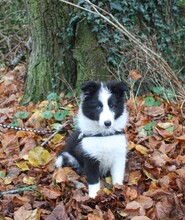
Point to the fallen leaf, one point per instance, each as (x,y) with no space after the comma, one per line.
(39,156)
(94,217)
(181,138)
(51,192)
(145,201)
(149,175)
(65,174)
(143,150)
(131,193)
(58,138)
(59,212)
(135,74)
(23,165)
(134,208)
(134,177)
(159,159)
(163,208)
(28,180)
(141,217)
(165,125)
(23,213)
(181,173)
(155,111)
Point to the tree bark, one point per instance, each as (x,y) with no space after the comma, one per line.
(91,63)
(51,65)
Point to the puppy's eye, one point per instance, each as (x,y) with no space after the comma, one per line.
(111,106)
(99,107)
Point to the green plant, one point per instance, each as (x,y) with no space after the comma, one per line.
(148,127)
(157,24)
(52,109)
(14,123)
(21,114)
(150,101)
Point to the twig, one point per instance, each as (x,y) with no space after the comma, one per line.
(18,190)
(181,108)
(56,132)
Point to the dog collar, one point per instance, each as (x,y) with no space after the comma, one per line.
(81,135)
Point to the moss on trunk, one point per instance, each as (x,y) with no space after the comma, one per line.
(90,58)
(51,65)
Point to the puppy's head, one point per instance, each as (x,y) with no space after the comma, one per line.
(103,103)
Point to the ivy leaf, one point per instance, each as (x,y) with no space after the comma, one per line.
(55,126)
(53,97)
(60,115)
(116,5)
(14,123)
(22,115)
(47,115)
(149,126)
(150,101)
(2,174)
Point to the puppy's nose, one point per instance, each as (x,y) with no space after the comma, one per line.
(107,123)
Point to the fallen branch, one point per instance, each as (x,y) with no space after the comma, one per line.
(18,190)
(56,132)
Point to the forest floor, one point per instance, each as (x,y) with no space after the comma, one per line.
(31,187)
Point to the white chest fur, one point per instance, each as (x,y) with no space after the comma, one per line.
(107,150)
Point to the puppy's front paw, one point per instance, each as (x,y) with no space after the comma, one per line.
(93,189)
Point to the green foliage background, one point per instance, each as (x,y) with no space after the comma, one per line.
(158,23)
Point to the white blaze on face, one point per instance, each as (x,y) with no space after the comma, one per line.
(106,114)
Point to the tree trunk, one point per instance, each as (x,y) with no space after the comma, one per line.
(91,63)
(51,65)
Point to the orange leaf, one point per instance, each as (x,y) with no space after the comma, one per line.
(134,177)
(135,75)
(50,192)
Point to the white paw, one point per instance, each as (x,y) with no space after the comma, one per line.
(59,162)
(93,189)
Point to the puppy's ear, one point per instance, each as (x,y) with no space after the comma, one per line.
(118,88)
(90,87)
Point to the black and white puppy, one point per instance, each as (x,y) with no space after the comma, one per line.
(99,145)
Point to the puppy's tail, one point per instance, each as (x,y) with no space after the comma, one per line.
(67,160)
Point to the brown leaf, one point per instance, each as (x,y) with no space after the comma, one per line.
(141,217)
(164,182)
(135,74)
(131,193)
(154,111)
(16,199)
(134,208)
(181,173)
(79,196)
(94,217)
(163,208)
(134,177)
(159,159)
(65,174)
(143,150)
(181,138)
(145,201)
(50,192)
(23,213)
(156,193)
(10,143)
(59,212)
(165,134)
